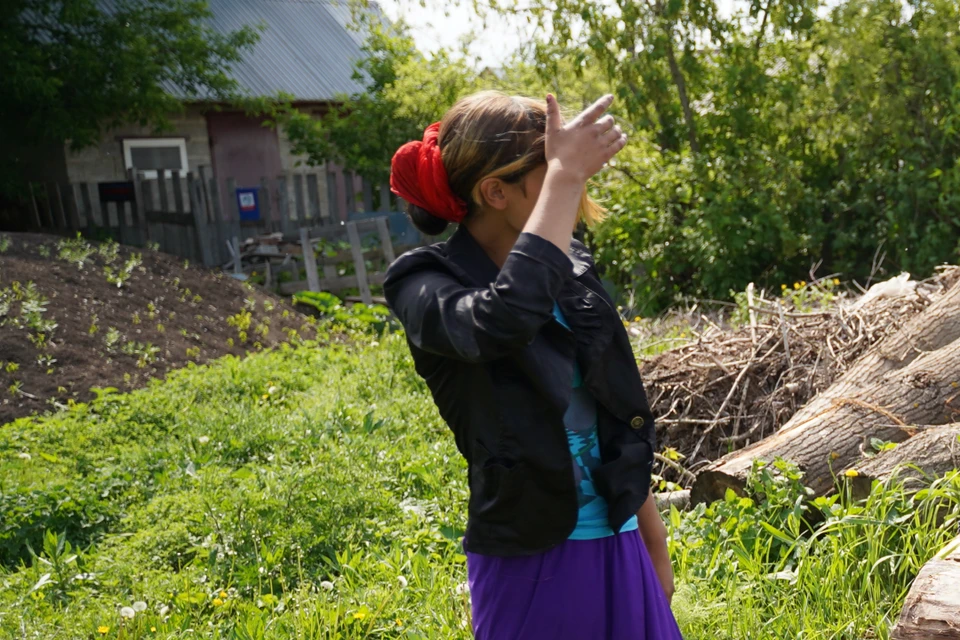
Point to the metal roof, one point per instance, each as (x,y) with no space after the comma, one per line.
(305,48)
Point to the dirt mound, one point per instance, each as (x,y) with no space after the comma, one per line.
(75,315)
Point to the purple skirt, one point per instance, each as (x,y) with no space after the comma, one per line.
(603,589)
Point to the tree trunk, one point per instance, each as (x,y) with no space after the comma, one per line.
(931,453)
(679,499)
(932,608)
(924,392)
(677,74)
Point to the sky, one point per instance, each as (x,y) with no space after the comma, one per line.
(439,25)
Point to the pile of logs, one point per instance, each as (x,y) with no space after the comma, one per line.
(906,385)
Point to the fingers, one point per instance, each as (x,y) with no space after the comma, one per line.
(593,112)
(604,124)
(610,136)
(554,119)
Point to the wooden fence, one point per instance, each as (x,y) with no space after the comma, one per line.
(332,217)
(195,217)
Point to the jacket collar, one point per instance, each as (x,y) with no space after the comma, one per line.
(467,253)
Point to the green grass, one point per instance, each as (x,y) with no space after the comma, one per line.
(314,492)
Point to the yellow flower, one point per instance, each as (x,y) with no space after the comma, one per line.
(803,283)
(103,630)
(796,285)
(265,396)
(217,602)
(851,473)
(223,594)
(783,287)
(153,629)
(399,622)
(836,281)
(359,615)
(637,319)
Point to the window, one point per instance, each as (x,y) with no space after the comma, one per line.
(152,154)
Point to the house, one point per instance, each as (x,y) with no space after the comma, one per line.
(305,49)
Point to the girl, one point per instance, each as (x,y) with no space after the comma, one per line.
(530,366)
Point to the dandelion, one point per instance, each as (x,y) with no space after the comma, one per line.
(803,283)
(462,588)
(272,390)
(851,473)
(265,396)
(103,630)
(139,606)
(153,629)
(796,285)
(399,622)
(23,455)
(217,602)
(637,319)
(783,287)
(326,585)
(127,612)
(223,594)
(402,581)
(359,615)
(203,439)
(164,610)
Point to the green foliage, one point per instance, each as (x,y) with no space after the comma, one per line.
(70,69)
(316,493)
(785,567)
(337,317)
(800,137)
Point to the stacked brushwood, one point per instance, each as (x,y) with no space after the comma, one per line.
(856,361)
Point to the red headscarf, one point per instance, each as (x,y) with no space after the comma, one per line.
(418,176)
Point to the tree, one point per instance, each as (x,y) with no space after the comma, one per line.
(68,69)
(404,92)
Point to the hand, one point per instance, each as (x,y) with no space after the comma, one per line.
(581,148)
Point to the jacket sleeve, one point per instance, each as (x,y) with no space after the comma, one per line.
(444,317)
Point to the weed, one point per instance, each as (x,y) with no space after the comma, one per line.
(76,251)
(4,243)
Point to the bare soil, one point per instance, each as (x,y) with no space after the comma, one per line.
(167,314)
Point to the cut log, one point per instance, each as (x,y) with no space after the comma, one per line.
(932,607)
(679,499)
(925,392)
(931,453)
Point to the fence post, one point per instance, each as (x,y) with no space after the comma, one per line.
(299,199)
(386,244)
(200,230)
(332,201)
(367,196)
(87,206)
(265,205)
(234,207)
(309,260)
(283,206)
(139,206)
(358,263)
(384,198)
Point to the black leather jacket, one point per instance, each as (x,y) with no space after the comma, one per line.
(500,369)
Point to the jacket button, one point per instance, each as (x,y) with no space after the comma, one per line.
(637,422)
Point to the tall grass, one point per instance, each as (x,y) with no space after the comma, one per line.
(315,493)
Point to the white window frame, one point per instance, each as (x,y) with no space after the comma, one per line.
(134,143)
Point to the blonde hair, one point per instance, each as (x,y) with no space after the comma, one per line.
(493,135)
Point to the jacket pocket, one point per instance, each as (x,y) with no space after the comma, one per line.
(628,472)
(495,488)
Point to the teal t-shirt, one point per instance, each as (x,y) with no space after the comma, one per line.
(580,422)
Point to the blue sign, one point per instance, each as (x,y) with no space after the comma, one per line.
(248,203)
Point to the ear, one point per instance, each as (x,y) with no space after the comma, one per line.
(492,192)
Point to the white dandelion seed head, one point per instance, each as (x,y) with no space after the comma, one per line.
(127,612)
(139,605)
(326,585)
(203,439)
(402,581)
(462,588)
(23,455)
